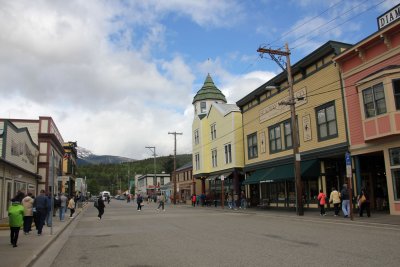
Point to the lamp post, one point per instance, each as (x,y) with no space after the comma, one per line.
(153,149)
(51,194)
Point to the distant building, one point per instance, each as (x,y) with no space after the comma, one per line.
(185,183)
(149,184)
(67,181)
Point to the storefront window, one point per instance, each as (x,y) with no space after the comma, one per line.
(19,186)
(395,166)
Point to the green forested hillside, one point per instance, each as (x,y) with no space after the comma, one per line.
(111,176)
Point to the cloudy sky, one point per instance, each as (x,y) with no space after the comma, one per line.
(117,76)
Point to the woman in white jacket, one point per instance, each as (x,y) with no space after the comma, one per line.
(71,206)
(27,202)
(335,199)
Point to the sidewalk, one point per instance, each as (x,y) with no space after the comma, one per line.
(31,246)
(380,218)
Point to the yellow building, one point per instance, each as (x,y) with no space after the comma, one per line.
(322,135)
(66,182)
(217,143)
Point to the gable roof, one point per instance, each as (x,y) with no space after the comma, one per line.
(225,109)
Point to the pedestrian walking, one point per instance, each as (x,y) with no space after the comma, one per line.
(243,201)
(63,206)
(322,201)
(27,203)
(16,218)
(344,194)
(194,200)
(235,200)
(230,201)
(335,199)
(100,207)
(49,215)
(139,201)
(71,207)
(161,202)
(57,204)
(40,211)
(363,203)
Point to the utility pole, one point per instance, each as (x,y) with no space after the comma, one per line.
(292,104)
(175,133)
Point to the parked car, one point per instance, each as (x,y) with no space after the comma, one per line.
(120,197)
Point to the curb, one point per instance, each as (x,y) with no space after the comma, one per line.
(31,260)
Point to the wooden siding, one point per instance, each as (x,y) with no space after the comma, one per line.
(322,87)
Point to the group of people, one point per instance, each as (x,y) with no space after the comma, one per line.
(233,200)
(343,198)
(25,209)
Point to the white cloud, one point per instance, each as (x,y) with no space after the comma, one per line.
(89,65)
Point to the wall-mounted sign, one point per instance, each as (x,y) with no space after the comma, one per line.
(307,128)
(262,142)
(278,108)
(389,17)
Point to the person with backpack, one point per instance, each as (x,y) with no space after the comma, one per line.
(99,205)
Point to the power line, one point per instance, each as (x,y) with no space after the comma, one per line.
(304,23)
(355,16)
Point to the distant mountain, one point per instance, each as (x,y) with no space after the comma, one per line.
(86,157)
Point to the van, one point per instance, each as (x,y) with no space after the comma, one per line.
(105,195)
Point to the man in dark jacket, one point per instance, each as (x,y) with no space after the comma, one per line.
(344,195)
(100,207)
(40,205)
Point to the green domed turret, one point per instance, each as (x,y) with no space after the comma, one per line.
(209,92)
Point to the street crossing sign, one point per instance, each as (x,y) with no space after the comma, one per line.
(348,165)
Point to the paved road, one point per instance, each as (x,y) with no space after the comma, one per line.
(185,236)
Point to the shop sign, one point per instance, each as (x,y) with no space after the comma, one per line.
(389,17)
(278,108)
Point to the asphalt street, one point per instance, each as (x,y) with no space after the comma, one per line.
(186,236)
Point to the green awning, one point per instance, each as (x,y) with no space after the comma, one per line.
(258,176)
(309,168)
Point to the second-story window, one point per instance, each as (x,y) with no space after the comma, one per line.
(252,146)
(196,137)
(275,139)
(396,93)
(287,126)
(214,157)
(326,121)
(213,131)
(197,161)
(228,153)
(374,100)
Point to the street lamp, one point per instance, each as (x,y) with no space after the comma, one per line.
(51,194)
(153,149)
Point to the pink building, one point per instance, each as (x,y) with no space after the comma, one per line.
(371,85)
